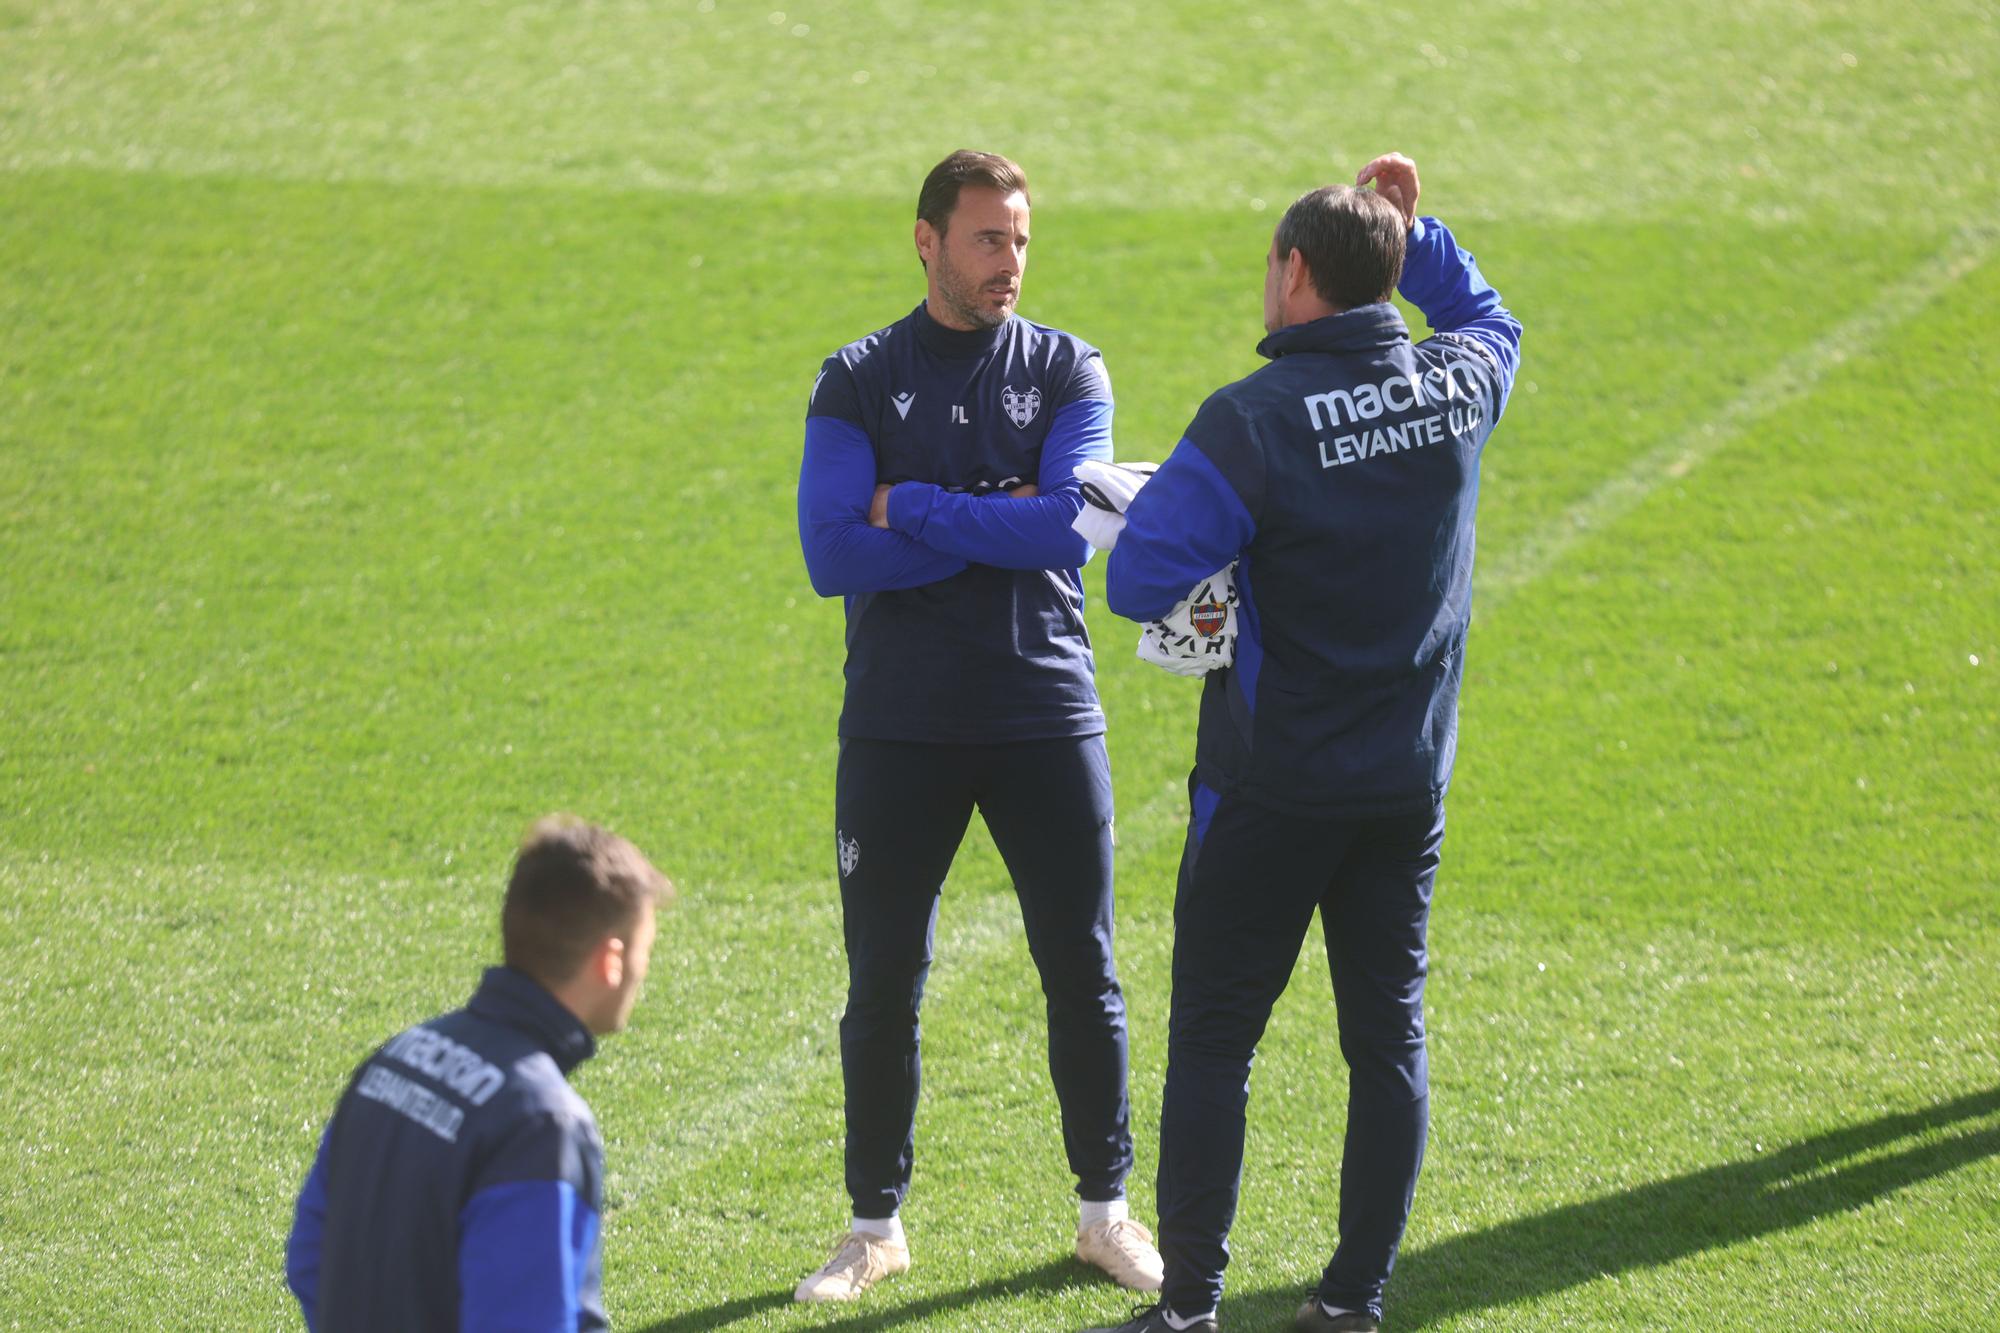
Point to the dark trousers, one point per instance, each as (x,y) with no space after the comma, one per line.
(1250,882)
(902,810)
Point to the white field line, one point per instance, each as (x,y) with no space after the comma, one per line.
(697,1129)
(1510,570)
(696,1133)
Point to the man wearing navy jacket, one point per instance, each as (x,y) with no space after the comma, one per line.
(1341,478)
(459,1184)
(935,497)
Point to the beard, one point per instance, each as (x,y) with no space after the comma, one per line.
(968,299)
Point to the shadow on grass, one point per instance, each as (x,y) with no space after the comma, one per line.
(1667,1220)
(1052,1276)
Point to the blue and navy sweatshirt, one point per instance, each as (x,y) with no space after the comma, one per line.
(1342,476)
(459,1182)
(965,616)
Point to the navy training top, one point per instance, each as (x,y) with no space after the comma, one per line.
(459,1184)
(1343,476)
(965,616)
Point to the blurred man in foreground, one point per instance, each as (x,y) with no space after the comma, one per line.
(459,1184)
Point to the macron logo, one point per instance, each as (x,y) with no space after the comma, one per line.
(1435,385)
(902,402)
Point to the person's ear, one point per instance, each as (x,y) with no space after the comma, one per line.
(1297,276)
(611,962)
(927,241)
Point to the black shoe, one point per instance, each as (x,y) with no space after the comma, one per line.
(1153,1319)
(1313,1318)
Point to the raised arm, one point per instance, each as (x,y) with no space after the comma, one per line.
(1443,280)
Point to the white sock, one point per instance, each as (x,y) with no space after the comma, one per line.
(887,1228)
(1185,1321)
(1090,1212)
(1335,1311)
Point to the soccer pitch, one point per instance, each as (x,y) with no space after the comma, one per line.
(400,409)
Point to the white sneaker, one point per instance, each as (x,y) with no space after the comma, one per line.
(1125,1250)
(858,1263)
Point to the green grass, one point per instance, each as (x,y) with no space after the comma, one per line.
(399,437)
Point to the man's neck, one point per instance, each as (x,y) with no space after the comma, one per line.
(1306,309)
(945,317)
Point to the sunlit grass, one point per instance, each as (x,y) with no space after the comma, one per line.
(349,524)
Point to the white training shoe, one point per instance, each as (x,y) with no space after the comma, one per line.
(1123,1249)
(858,1263)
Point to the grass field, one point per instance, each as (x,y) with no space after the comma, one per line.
(399,419)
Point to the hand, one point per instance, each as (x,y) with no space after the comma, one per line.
(1395,178)
(878,508)
(1022,492)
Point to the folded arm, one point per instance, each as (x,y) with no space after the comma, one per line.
(843,553)
(1028,532)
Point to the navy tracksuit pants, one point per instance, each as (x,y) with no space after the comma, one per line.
(902,809)
(1250,881)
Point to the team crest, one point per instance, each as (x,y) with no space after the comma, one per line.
(1208,618)
(850,852)
(1021,406)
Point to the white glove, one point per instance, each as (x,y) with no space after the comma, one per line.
(1107,489)
(1199,635)
(1100,527)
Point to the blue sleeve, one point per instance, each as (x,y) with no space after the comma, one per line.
(1444,282)
(843,554)
(1032,532)
(525,1250)
(308,1227)
(1185,523)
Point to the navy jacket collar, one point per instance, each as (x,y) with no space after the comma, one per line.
(1356,330)
(518,1001)
(956,344)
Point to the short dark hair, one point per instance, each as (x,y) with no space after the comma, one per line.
(573,885)
(1352,240)
(939,197)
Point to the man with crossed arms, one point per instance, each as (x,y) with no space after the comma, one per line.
(936,496)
